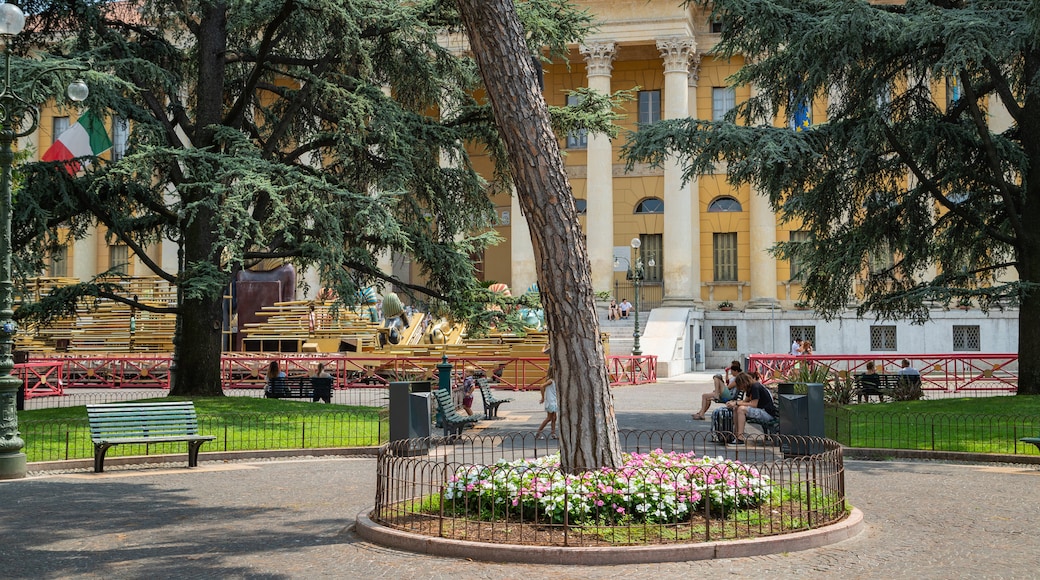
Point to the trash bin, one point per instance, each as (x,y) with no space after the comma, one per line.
(410,415)
(801,414)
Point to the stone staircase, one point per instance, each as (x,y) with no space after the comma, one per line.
(621,330)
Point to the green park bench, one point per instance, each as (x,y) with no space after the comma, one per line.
(451,419)
(1033,440)
(313,388)
(491,403)
(144,423)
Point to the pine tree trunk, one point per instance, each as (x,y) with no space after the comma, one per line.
(197,340)
(588,427)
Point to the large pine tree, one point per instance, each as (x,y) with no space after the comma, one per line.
(306,130)
(588,427)
(913,160)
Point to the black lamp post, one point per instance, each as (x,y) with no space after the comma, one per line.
(636,272)
(14,111)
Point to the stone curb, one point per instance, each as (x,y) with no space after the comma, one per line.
(182,458)
(880,453)
(612,555)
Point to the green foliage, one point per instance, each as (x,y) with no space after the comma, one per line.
(907,390)
(839,391)
(805,372)
(894,169)
(324,133)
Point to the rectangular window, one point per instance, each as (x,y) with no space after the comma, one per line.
(649,107)
(967,338)
(119,259)
(652,248)
(724,338)
(58,126)
(576,139)
(120,136)
(953,90)
(882,338)
(883,259)
(724,254)
(803,333)
(722,100)
(716,26)
(797,267)
(59,265)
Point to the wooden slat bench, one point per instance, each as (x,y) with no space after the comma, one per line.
(142,423)
(452,419)
(313,388)
(886,386)
(491,403)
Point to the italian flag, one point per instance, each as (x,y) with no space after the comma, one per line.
(87,138)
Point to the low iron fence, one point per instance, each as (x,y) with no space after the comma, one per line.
(64,439)
(885,429)
(674,487)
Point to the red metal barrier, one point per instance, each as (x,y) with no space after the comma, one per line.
(41,378)
(248,370)
(956,373)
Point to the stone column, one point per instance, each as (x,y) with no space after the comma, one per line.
(762,238)
(680,221)
(523,268)
(599,221)
(695,190)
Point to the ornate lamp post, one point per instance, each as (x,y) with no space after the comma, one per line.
(14,111)
(636,273)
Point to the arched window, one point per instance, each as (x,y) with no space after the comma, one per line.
(650,205)
(724,203)
(582,206)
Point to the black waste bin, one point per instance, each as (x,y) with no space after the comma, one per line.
(801,414)
(410,415)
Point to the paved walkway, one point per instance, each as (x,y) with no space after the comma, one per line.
(293,519)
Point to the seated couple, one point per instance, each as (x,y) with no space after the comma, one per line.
(724,390)
(751,401)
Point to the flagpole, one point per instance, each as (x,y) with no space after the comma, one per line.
(13,113)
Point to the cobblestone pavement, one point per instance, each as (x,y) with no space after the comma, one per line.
(293,519)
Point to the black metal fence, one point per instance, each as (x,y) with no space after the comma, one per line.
(64,439)
(674,487)
(933,431)
(651,294)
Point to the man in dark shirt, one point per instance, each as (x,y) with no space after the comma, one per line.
(757,404)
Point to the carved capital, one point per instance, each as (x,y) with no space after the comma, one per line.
(675,51)
(694,75)
(599,57)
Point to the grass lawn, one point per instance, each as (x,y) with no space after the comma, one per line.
(976,424)
(239,423)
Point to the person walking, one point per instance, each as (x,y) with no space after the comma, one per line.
(551,408)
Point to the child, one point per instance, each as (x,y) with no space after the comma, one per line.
(551,406)
(469,384)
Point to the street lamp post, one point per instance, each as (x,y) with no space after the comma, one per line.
(637,280)
(13,113)
(637,277)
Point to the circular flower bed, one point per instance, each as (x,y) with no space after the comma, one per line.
(655,487)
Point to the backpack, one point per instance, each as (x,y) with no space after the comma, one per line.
(722,425)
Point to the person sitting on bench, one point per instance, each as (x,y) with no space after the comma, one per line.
(273,372)
(757,404)
(723,392)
